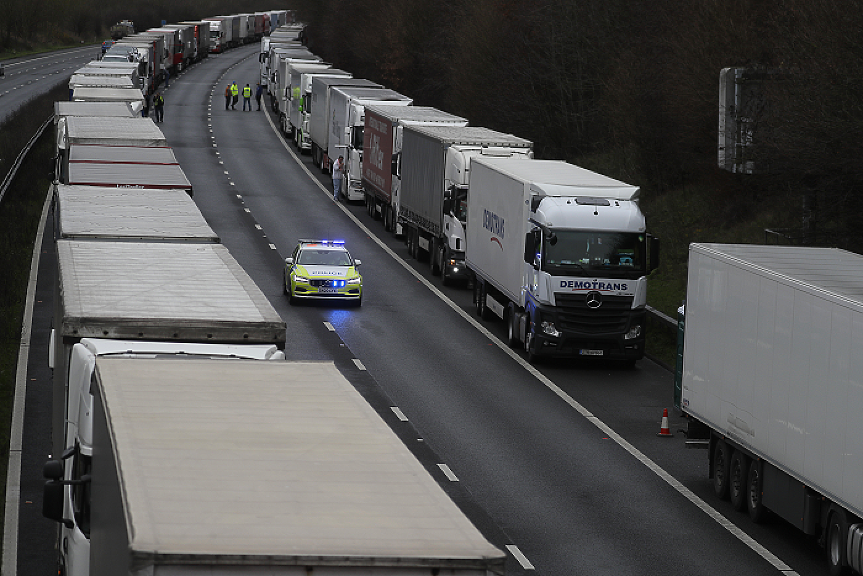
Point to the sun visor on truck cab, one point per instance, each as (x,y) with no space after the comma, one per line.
(586,190)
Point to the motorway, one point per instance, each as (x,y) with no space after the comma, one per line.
(29,76)
(558,464)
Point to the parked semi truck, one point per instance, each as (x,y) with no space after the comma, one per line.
(561,254)
(297,437)
(435,166)
(287,94)
(346,123)
(382,147)
(282,77)
(319,111)
(770,375)
(301,93)
(221,33)
(163,298)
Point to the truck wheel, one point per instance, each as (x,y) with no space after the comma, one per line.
(529,348)
(836,532)
(721,469)
(737,480)
(444,278)
(754,503)
(512,335)
(434,257)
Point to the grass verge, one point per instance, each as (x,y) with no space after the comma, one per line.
(20,211)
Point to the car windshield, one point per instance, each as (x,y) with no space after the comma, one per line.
(585,253)
(312,257)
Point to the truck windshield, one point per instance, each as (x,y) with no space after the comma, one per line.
(588,253)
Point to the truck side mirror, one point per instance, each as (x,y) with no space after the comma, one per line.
(529,248)
(395,165)
(654,252)
(52,492)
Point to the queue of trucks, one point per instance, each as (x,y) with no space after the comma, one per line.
(559,253)
(167,358)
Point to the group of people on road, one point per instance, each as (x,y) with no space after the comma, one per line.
(232,96)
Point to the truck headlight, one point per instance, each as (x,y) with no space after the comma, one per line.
(633,333)
(548,328)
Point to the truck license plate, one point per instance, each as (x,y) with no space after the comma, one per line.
(585,352)
(328,290)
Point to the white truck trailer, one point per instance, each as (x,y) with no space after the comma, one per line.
(346,124)
(286,60)
(135,214)
(161,299)
(771,385)
(296,490)
(561,254)
(435,167)
(291,95)
(301,94)
(381,157)
(100,154)
(319,110)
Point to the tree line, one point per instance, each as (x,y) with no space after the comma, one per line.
(634,86)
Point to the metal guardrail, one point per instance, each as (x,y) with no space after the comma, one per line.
(7,181)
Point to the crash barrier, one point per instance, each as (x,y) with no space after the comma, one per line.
(7,180)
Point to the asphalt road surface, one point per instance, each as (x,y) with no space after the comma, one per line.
(558,464)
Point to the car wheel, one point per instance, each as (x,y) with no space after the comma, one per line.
(737,480)
(754,504)
(721,469)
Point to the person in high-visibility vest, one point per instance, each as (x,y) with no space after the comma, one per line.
(247,97)
(235,94)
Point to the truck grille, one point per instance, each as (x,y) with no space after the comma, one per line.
(610,318)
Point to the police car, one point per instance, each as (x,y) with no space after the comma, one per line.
(323,270)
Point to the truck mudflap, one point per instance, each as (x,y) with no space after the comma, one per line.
(577,331)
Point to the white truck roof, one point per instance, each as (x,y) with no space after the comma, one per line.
(161,291)
(122,154)
(86,94)
(130,214)
(278,463)
(472,136)
(559,178)
(128,175)
(409,114)
(114,131)
(100,81)
(113,109)
(823,271)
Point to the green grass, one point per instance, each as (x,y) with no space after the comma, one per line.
(20,212)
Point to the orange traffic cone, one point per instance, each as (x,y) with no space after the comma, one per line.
(664,432)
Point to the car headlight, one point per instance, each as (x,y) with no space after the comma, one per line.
(301,280)
(633,333)
(548,328)
(357,280)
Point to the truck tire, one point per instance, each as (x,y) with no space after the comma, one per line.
(754,502)
(434,257)
(444,278)
(481,309)
(739,472)
(721,469)
(512,335)
(837,530)
(529,347)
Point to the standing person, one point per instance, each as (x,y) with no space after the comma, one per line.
(338,171)
(259,91)
(235,95)
(247,97)
(159,106)
(227,96)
